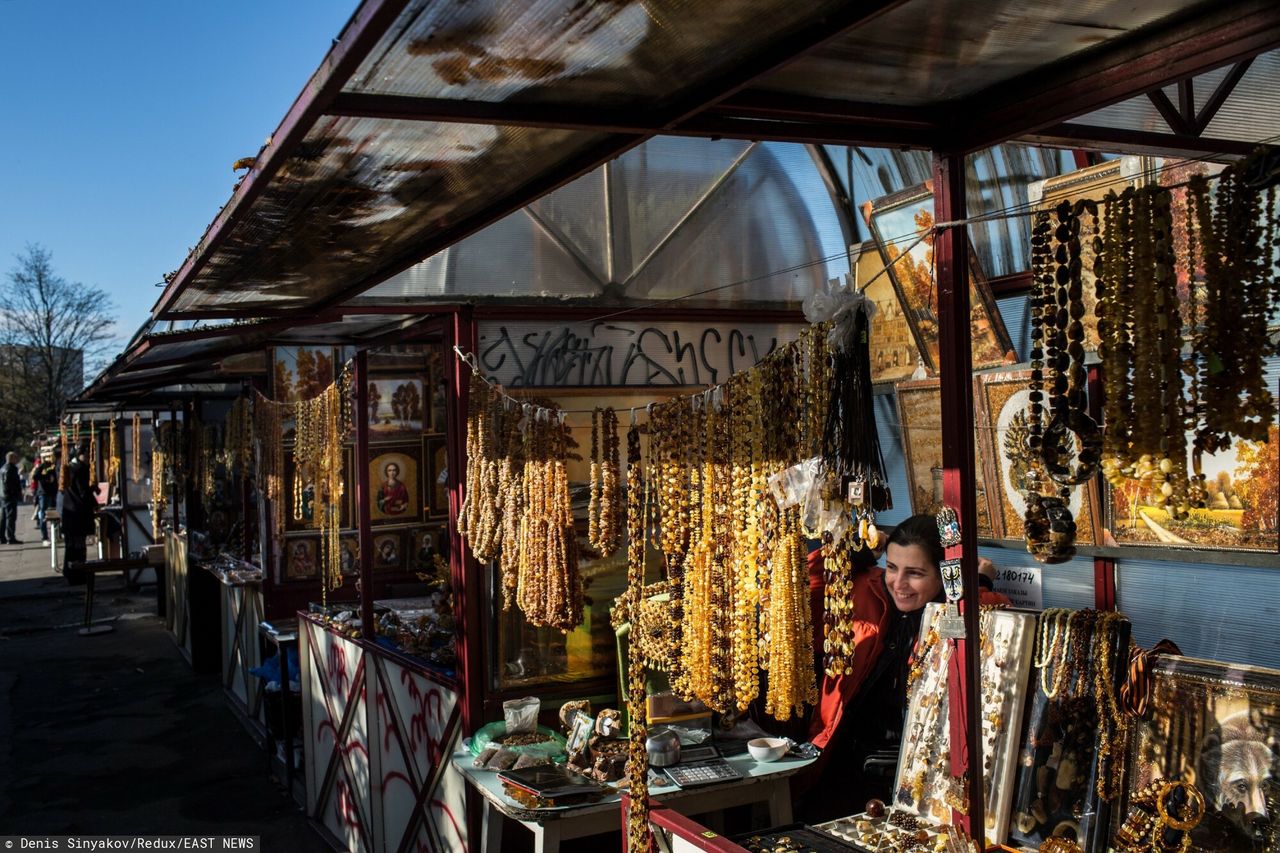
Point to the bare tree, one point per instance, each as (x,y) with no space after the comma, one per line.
(52,332)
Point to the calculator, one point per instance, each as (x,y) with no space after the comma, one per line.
(701,766)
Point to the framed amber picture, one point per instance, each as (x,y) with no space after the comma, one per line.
(393,484)
(1003,398)
(1240,512)
(1216,726)
(893,350)
(902,225)
(398,407)
(920,414)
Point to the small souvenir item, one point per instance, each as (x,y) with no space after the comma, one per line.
(948,527)
(951,624)
(951,581)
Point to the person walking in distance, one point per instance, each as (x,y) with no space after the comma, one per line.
(11,493)
(79,506)
(45,477)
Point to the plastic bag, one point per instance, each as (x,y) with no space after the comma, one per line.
(521,715)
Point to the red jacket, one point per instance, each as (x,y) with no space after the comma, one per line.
(871,611)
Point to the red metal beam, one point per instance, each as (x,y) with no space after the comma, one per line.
(468,575)
(364,523)
(1208,37)
(1118,141)
(959,465)
(856,125)
(1172,116)
(1010,285)
(757,104)
(370,21)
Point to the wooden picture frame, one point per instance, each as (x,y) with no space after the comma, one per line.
(395,496)
(901,224)
(920,416)
(1002,398)
(435,486)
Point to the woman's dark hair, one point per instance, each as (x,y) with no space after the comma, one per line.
(920,530)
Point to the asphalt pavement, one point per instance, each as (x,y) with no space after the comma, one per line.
(114,733)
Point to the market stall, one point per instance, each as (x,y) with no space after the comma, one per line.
(1080,520)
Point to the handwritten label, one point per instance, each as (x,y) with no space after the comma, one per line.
(532,354)
(1023,585)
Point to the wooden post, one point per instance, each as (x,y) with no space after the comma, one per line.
(959,476)
(364,523)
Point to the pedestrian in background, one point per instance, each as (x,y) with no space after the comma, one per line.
(11,495)
(79,506)
(45,477)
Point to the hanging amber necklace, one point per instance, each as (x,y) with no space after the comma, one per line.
(603,509)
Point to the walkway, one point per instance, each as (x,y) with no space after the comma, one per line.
(114,733)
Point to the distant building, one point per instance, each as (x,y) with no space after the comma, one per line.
(64,366)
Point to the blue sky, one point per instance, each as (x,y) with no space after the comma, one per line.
(119,122)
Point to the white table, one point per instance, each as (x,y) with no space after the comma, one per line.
(761,782)
(53,522)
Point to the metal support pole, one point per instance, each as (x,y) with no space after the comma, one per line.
(364,522)
(468,575)
(951,252)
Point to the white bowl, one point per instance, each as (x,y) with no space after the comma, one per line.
(768,748)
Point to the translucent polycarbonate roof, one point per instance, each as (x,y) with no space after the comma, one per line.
(669,218)
(925,51)
(1250,113)
(431,120)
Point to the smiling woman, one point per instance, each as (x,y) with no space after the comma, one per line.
(860,715)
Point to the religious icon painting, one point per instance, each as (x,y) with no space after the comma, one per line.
(393,484)
(438,388)
(301,560)
(397,407)
(300,493)
(388,554)
(430,551)
(349,555)
(1002,402)
(902,225)
(437,484)
(920,413)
